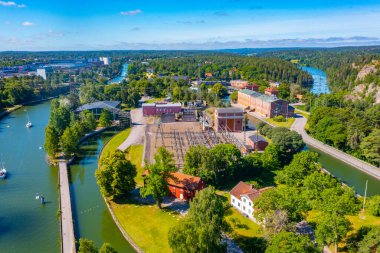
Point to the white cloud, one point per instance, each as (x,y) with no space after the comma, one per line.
(131,13)
(12,4)
(27,23)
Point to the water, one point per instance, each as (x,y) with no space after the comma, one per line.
(320,85)
(124,74)
(91,216)
(25,224)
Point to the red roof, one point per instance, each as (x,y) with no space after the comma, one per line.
(246,189)
(184,181)
(270,89)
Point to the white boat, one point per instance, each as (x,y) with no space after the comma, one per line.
(29,124)
(3,171)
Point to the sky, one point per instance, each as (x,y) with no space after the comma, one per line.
(42,25)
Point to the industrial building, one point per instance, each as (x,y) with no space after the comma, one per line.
(228,119)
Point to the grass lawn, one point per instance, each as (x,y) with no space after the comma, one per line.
(286,124)
(147,225)
(301,107)
(116,141)
(134,154)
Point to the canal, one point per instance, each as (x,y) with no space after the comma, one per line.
(91,216)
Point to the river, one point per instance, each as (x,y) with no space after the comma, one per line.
(320,85)
(123,75)
(25,224)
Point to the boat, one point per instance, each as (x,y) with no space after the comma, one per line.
(29,124)
(3,171)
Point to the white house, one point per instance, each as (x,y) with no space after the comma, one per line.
(242,197)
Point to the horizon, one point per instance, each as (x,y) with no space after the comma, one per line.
(38,25)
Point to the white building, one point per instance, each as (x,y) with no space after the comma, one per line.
(242,197)
(42,72)
(106,60)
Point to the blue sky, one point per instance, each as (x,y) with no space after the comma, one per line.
(186,24)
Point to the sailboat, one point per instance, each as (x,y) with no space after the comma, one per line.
(3,171)
(29,123)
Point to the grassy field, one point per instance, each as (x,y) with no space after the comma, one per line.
(301,107)
(134,154)
(147,225)
(116,141)
(286,124)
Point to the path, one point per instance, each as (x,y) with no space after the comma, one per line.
(67,226)
(138,129)
(299,126)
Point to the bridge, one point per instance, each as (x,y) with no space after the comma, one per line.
(67,226)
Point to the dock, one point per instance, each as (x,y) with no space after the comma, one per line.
(67,225)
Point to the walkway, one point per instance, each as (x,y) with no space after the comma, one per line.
(299,126)
(67,226)
(138,130)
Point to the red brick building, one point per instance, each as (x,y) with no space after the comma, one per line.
(158,109)
(267,105)
(230,119)
(257,142)
(184,186)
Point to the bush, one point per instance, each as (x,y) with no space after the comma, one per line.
(373,206)
(279,118)
(266,130)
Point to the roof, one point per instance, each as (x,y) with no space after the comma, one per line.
(256,138)
(99,104)
(184,181)
(244,189)
(271,89)
(229,110)
(259,95)
(148,104)
(169,105)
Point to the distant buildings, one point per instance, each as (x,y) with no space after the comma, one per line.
(242,197)
(271,91)
(158,109)
(42,72)
(267,105)
(106,60)
(208,74)
(230,119)
(239,84)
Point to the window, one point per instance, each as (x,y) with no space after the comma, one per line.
(244,200)
(244,208)
(233,200)
(239,204)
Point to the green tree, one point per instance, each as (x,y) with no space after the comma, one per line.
(302,165)
(373,205)
(116,175)
(87,246)
(201,230)
(234,96)
(271,157)
(332,228)
(194,159)
(69,141)
(371,147)
(107,248)
(51,141)
(88,120)
(105,119)
(156,182)
(289,242)
(371,241)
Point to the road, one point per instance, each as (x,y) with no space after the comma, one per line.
(67,226)
(299,126)
(138,130)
